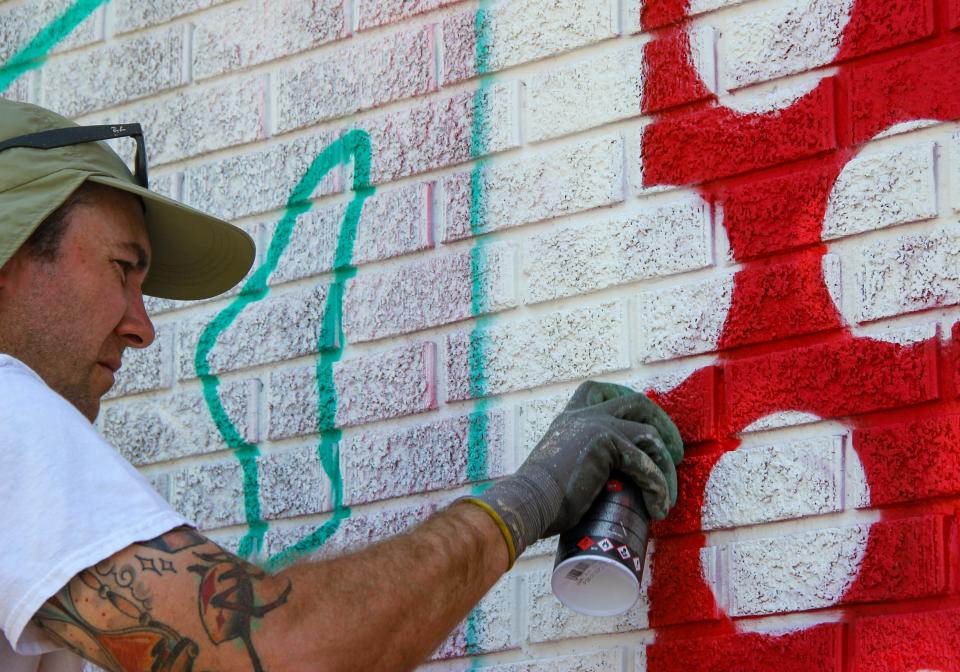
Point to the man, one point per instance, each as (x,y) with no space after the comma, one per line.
(94,563)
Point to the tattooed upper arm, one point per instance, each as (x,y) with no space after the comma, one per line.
(165,604)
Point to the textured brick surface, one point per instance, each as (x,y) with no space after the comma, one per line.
(372,13)
(899,474)
(571,179)
(262,30)
(878,190)
(360,77)
(435,456)
(651,243)
(255,181)
(517,32)
(598,661)
(760,484)
(934,641)
(443,132)
(378,387)
(429,293)
(908,273)
(682,320)
(197,120)
(566,345)
(590,93)
(279,327)
(491,626)
(138,66)
(292,483)
(147,369)
(782,39)
(393,222)
(19,23)
(210,495)
(549,620)
(819,647)
(179,425)
(129,15)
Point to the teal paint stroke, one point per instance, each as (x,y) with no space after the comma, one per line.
(477,440)
(34,53)
(353,145)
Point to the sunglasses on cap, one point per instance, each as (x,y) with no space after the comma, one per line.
(64,137)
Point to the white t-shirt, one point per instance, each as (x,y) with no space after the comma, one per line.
(67,501)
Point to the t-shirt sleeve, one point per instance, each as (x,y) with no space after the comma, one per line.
(67,499)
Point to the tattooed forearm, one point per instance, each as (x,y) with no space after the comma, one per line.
(119,613)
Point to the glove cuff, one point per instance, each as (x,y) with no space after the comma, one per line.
(504,530)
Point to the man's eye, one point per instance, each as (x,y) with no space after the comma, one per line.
(125,266)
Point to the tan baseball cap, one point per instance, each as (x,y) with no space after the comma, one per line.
(195,256)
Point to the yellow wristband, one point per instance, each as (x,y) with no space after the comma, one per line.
(504,530)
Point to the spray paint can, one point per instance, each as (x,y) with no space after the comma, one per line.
(599,563)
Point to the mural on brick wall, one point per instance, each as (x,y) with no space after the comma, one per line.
(780,228)
(790,346)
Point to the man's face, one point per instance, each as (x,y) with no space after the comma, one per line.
(71,319)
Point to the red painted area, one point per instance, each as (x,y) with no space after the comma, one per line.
(677,594)
(881,643)
(912,461)
(784,346)
(662,12)
(671,78)
(718,142)
(692,406)
(818,648)
(904,560)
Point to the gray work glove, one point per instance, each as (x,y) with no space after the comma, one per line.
(604,428)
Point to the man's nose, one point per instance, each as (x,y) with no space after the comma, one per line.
(136,328)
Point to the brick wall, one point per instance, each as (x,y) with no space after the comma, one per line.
(747,208)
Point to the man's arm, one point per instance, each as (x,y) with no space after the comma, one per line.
(179,602)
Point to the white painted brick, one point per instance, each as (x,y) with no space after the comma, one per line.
(595,661)
(277,328)
(428,293)
(146,369)
(20,90)
(393,222)
(682,320)
(954,170)
(493,624)
(372,13)
(587,94)
(909,273)
(353,533)
(511,33)
(198,120)
(571,179)
(359,77)
(379,465)
(779,39)
(811,570)
(130,15)
(566,345)
(256,181)
(652,243)
(760,484)
(879,190)
(548,620)
(209,495)
(179,425)
(258,31)
(443,132)
(293,483)
(780,419)
(116,73)
(378,387)
(20,23)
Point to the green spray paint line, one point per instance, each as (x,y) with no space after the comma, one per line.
(477,440)
(354,145)
(34,53)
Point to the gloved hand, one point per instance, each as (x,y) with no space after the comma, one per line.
(605,427)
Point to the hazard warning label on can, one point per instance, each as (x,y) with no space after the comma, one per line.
(624,552)
(585,543)
(605,545)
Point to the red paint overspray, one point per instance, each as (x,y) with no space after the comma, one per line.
(894,67)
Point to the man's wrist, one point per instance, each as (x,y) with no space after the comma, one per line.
(501,526)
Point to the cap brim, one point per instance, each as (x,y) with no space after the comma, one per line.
(195,256)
